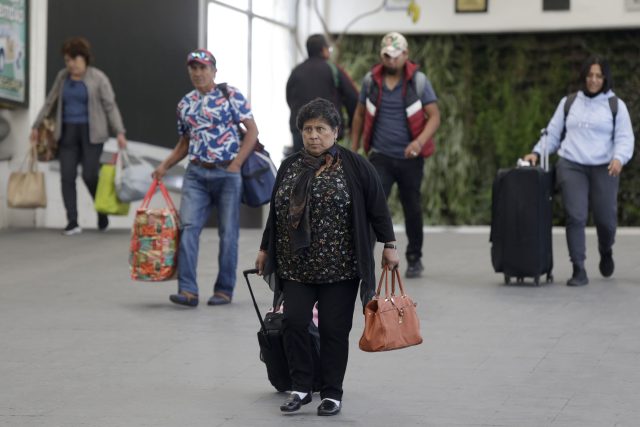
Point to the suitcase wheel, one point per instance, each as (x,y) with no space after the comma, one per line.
(507,279)
(549,278)
(520,280)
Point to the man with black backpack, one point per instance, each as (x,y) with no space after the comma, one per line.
(396,117)
(318,77)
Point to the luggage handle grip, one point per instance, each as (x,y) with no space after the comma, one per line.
(246,274)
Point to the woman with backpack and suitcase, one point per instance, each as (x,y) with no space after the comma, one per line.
(316,247)
(592,133)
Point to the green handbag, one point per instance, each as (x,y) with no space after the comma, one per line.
(106,201)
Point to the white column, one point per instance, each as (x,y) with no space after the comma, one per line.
(17,143)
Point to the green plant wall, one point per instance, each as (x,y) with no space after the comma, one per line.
(495,94)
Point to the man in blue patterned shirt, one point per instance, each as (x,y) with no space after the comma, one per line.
(208,122)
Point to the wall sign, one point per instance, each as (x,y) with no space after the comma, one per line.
(555,5)
(633,5)
(471,6)
(14,53)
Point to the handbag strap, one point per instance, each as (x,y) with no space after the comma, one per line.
(167,198)
(383,277)
(396,273)
(149,195)
(165,194)
(122,159)
(125,157)
(32,155)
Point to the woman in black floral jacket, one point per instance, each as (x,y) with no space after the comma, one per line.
(317,247)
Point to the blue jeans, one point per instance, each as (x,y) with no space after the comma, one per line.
(201,190)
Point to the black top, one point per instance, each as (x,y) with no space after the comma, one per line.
(314,78)
(369,212)
(330,257)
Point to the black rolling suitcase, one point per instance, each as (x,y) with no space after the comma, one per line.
(521,220)
(272,348)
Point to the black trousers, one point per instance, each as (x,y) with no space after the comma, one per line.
(75,148)
(407,173)
(335,316)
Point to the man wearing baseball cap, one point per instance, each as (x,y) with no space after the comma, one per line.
(208,119)
(396,118)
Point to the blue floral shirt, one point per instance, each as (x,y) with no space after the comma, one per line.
(209,121)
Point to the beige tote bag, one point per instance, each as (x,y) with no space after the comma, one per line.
(26,188)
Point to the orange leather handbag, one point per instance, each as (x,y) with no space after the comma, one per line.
(390,321)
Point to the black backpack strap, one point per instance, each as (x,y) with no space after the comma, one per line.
(567,106)
(371,88)
(613,104)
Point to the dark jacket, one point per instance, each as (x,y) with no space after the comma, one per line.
(314,78)
(370,213)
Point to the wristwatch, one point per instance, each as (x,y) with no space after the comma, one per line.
(390,246)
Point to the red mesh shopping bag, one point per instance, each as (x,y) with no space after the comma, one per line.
(155,235)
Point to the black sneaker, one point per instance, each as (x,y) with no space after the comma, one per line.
(606,264)
(414,269)
(579,277)
(71,229)
(103,222)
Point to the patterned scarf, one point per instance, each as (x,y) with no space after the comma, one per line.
(299,218)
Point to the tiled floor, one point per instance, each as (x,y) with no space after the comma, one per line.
(82,345)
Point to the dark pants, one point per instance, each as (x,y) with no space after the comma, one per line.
(335,315)
(583,187)
(74,149)
(407,173)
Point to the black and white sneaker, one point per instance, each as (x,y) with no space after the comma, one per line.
(71,229)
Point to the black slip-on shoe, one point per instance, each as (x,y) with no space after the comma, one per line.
(328,408)
(294,403)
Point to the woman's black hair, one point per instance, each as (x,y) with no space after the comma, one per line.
(318,108)
(77,46)
(606,72)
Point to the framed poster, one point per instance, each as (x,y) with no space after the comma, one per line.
(14,53)
(471,6)
(555,5)
(633,5)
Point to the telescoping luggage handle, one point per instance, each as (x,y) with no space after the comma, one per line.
(246,274)
(152,190)
(544,156)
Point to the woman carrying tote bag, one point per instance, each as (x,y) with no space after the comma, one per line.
(85,109)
